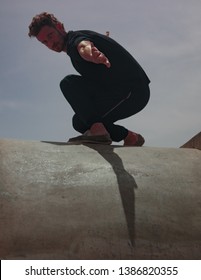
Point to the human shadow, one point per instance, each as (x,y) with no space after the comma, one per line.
(126,183)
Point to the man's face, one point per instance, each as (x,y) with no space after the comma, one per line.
(52,37)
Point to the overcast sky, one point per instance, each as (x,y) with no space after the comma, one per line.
(163,35)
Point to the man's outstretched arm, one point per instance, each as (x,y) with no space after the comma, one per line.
(89,52)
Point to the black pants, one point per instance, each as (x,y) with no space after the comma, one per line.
(94,103)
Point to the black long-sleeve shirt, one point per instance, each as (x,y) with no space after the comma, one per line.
(124,70)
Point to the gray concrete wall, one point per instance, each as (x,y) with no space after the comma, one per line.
(62,201)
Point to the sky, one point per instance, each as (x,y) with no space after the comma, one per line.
(164,36)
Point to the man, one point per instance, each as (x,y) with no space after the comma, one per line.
(111,85)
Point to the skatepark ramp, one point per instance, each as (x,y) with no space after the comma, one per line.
(60,201)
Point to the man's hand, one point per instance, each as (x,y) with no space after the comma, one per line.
(89,52)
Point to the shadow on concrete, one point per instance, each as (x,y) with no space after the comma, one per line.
(126,182)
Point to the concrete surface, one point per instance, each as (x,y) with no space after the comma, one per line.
(62,201)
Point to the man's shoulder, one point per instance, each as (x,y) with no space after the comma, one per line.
(73,36)
(86,34)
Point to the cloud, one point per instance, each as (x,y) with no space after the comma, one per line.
(11,105)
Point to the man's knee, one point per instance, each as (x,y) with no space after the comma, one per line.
(78,125)
(66,82)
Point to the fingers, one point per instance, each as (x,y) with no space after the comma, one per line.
(107,63)
(99,57)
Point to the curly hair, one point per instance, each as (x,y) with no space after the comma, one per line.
(39,21)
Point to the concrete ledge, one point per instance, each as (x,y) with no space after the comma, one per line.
(98,202)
